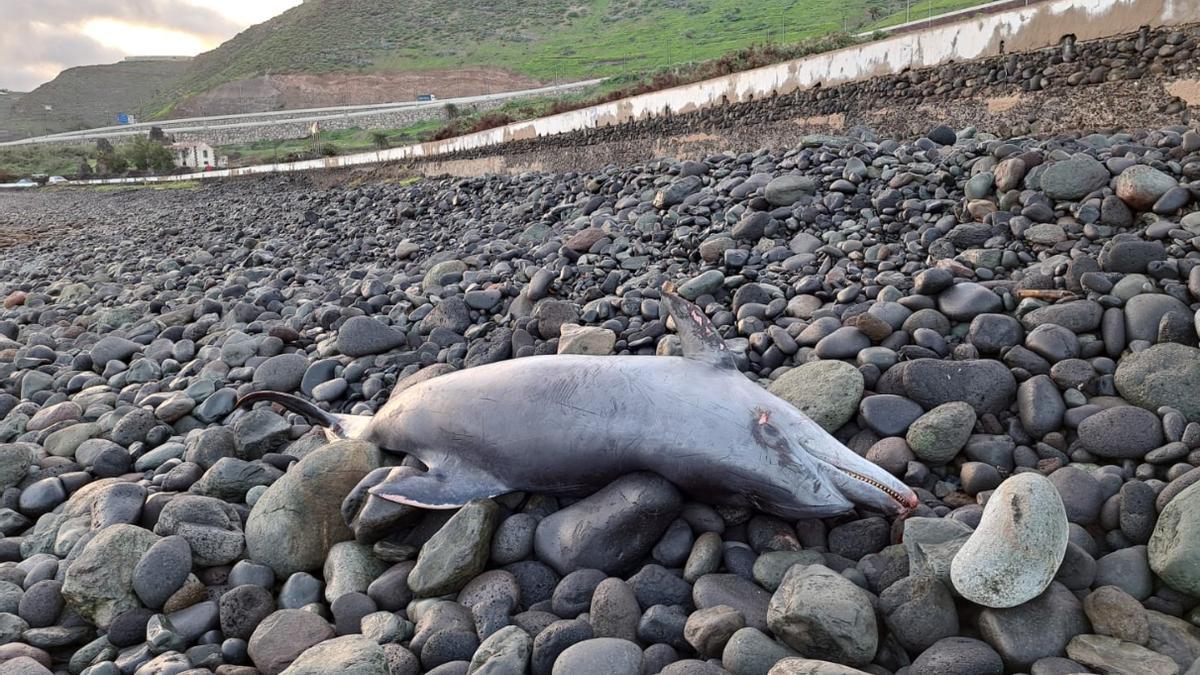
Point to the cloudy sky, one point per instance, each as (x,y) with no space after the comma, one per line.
(39,38)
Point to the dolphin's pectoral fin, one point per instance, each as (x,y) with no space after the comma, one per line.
(701,341)
(437,488)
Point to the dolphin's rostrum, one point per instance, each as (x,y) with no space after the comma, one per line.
(568,425)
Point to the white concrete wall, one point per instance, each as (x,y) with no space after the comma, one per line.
(1035,26)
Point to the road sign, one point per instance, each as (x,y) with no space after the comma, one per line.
(122,118)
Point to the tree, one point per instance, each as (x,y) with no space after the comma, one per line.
(876,9)
(380,140)
(147,155)
(107,159)
(157,135)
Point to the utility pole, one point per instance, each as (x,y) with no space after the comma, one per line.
(907,11)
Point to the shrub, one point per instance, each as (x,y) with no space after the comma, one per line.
(147,155)
(107,160)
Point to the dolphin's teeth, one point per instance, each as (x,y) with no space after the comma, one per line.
(875,484)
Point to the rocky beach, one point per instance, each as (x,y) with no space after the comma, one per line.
(1008,325)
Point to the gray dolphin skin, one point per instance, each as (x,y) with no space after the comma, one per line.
(568,425)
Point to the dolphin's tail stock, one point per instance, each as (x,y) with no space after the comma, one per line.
(336,426)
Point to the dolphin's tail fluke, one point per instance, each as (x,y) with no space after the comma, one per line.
(336,426)
(295,404)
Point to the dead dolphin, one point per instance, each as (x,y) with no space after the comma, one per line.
(568,425)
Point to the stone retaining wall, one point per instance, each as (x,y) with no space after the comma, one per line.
(1140,80)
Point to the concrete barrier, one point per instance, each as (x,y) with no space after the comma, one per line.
(1025,28)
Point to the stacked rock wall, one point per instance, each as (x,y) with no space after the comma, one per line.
(1139,80)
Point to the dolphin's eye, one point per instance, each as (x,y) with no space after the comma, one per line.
(767,434)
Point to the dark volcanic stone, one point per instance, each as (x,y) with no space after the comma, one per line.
(919,611)
(986,385)
(745,596)
(1121,432)
(555,639)
(613,529)
(889,415)
(1080,316)
(963,302)
(162,570)
(1130,255)
(942,135)
(243,608)
(958,656)
(991,333)
(41,604)
(1074,178)
(361,336)
(1039,628)
(129,628)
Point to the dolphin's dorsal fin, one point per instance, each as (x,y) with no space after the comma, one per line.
(701,341)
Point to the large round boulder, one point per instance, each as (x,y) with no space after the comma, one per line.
(295,522)
(1174,549)
(1165,374)
(1018,547)
(823,615)
(99,583)
(613,529)
(827,391)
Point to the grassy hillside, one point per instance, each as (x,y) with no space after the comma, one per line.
(546,39)
(8,99)
(91,96)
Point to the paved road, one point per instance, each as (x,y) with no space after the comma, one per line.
(308,115)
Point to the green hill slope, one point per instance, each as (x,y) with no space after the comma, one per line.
(546,39)
(8,100)
(90,96)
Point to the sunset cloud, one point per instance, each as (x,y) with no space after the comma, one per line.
(40,38)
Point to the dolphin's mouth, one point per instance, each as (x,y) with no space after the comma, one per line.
(906,501)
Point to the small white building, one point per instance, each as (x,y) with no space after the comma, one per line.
(195,155)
